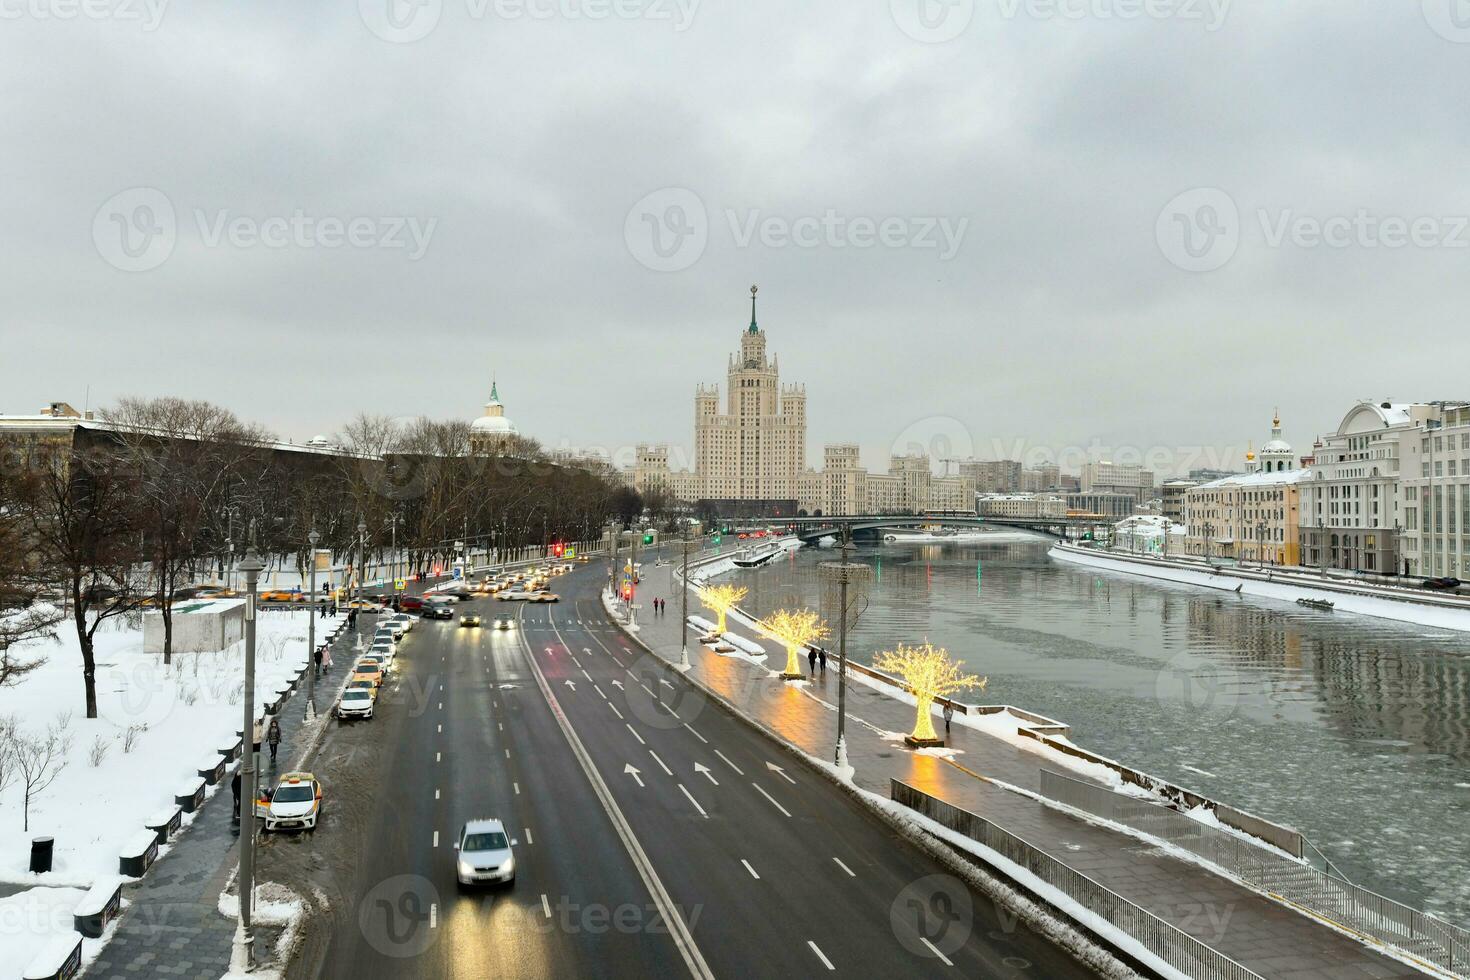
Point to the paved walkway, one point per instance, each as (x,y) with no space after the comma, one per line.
(173,927)
(1261,934)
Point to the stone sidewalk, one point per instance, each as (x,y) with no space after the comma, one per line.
(1263,935)
(173,927)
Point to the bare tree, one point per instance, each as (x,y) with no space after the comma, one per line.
(76,510)
(22,615)
(39,759)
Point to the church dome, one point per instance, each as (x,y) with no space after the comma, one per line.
(493,423)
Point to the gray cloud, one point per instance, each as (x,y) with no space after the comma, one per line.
(1060,320)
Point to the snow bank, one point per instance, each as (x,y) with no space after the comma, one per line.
(153,719)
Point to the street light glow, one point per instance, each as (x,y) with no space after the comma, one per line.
(720,599)
(930,674)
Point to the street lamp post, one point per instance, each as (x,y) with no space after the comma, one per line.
(361,578)
(242,955)
(684,606)
(311,602)
(841,756)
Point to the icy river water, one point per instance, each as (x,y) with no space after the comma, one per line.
(1354,730)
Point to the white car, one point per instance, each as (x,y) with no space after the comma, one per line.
(296,803)
(391,626)
(405,620)
(483,854)
(356,702)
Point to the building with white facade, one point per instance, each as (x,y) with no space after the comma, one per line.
(1023,505)
(1435,489)
(1112,478)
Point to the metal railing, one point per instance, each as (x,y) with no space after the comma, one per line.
(1352,906)
(1176,948)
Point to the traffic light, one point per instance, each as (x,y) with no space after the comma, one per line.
(556,549)
(628,592)
(717,537)
(648,538)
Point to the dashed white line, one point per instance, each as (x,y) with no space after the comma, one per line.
(507,753)
(500,725)
(647,688)
(750,869)
(697,735)
(433,915)
(691,799)
(436,794)
(772,799)
(441,729)
(545,905)
(518,792)
(586,675)
(441,705)
(599,692)
(436,838)
(666,769)
(438,757)
(820,955)
(636,735)
(615,709)
(529,838)
(844,867)
(944,959)
(729,763)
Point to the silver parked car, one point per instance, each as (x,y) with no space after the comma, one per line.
(484,855)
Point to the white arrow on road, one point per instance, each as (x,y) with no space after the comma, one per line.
(701,767)
(776,769)
(574,687)
(618,685)
(633,772)
(665,683)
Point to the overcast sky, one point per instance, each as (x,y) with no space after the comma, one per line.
(998,226)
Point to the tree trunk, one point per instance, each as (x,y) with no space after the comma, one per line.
(89,663)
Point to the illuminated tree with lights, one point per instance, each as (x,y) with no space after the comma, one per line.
(720,599)
(930,674)
(795,630)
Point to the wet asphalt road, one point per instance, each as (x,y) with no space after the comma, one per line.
(765,868)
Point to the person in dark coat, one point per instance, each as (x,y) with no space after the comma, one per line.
(316,657)
(235,791)
(822,658)
(811,658)
(273,737)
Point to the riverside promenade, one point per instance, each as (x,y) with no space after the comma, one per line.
(994,777)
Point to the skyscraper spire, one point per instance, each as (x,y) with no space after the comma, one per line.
(753,327)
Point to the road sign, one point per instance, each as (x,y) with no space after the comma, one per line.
(457,573)
(570,552)
(399,585)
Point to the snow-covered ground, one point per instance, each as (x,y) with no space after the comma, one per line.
(1284,585)
(156,726)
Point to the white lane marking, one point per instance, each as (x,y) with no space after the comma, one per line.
(436,794)
(777,769)
(438,757)
(436,838)
(518,791)
(575,660)
(844,867)
(729,763)
(441,729)
(666,769)
(586,675)
(635,734)
(673,918)
(634,773)
(615,709)
(569,684)
(545,905)
(433,915)
(648,689)
(617,684)
(750,869)
(936,952)
(599,692)
(500,725)
(693,800)
(507,753)
(772,799)
(820,955)
(701,767)
(697,735)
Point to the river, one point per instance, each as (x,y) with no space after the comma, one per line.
(1354,730)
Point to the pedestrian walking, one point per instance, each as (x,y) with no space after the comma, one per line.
(255,736)
(334,608)
(326,658)
(273,737)
(948,714)
(811,658)
(316,659)
(235,792)
(822,658)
